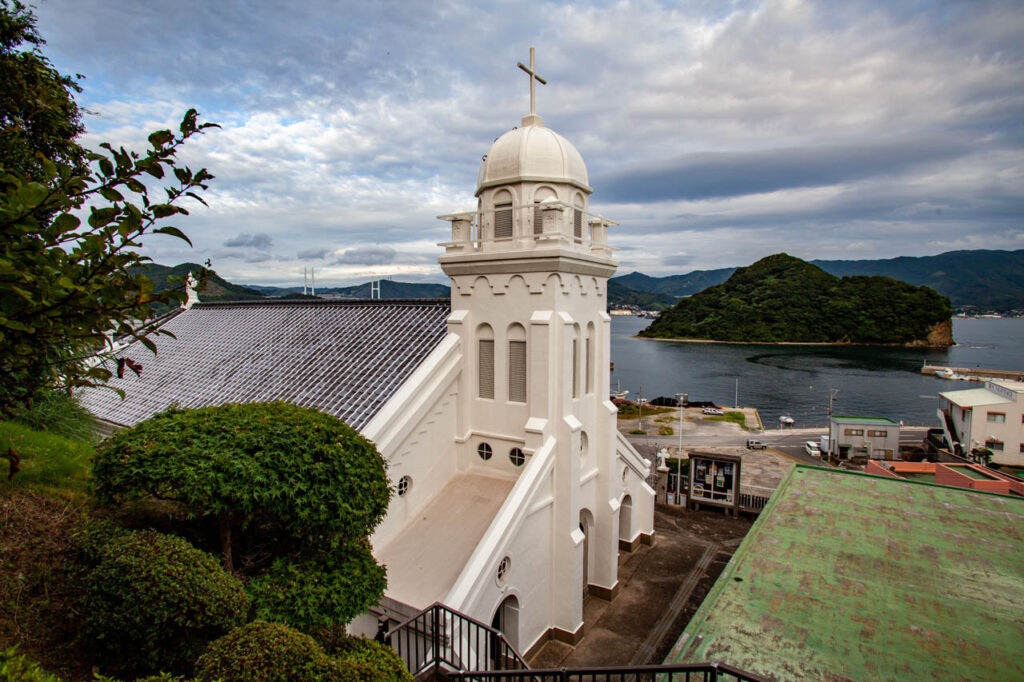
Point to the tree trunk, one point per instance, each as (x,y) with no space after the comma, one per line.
(225,543)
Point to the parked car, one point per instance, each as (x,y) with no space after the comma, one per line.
(713,410)
(755,445)
(812,448)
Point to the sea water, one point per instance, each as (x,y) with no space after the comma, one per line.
(796,380)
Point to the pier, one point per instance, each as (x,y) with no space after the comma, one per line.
(974,373)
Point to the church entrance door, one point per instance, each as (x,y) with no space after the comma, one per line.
(505,620)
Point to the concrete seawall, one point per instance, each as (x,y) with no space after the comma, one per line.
(976,372)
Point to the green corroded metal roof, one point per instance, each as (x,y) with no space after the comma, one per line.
(847,576)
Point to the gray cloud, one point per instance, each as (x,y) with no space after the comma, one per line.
(313,254)
(723,174)
(725,131)
(260,240)
(367,255)
(677,259)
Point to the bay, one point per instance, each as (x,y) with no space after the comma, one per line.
(795,380)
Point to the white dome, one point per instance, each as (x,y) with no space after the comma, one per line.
(532,153)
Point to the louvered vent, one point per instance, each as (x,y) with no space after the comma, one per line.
(517,371)
(577,223)
(486,368)
(503,221)
(538,219)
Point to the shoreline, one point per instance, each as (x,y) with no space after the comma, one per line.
(798,343)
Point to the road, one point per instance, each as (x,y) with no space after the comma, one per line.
(722,434)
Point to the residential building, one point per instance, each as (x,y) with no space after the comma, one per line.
(991,417)
(863,437)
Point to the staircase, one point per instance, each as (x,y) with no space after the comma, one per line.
(440,643)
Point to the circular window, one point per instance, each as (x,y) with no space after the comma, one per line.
(484,450)
(404,483)
(517,456)
(503,568)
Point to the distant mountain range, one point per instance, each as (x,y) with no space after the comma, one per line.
(980,279)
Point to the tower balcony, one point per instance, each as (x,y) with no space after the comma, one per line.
(550,224)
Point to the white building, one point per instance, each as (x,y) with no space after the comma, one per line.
(991,417)
(515,489)
(871,437)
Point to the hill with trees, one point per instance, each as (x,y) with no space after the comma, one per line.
(784,299)
(979,279)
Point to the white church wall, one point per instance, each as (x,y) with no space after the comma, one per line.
(520,531)
(414,433)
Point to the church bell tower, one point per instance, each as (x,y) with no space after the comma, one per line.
(529,272)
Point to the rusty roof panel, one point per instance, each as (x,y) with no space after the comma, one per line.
(853,577)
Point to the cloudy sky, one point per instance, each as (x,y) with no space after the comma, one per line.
(715,133)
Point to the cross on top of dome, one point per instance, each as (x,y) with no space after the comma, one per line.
(533,118)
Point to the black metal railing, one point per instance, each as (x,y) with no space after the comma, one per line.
(751,502)
(440,637)
(680,672)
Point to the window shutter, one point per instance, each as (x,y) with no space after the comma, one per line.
(486,368)
(577,223)
(538,219)
(503,221)
(517,371)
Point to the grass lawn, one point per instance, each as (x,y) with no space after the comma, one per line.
(633,411)
(47,460)
(40,507)
(732,416)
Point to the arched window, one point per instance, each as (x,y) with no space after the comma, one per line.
(503,214)
(589,358)
(485,361)
(516,364)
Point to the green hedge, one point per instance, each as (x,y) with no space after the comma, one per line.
(15,667)
(330,588)
(266,652)
(151,602)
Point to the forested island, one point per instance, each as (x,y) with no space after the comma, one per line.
(782,299)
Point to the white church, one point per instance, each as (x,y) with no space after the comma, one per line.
(515,491)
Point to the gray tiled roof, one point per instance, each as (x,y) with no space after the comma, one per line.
(345,358)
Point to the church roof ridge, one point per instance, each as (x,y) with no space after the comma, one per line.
(277,302)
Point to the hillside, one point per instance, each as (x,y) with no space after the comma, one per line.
(982,279)
(784,299)
(217,288)
(620,296)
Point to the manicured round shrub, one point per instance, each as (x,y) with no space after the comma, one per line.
(276,464)
(151,602)
(330,588)
(266,652)
(370,660)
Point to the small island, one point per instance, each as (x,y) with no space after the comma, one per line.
(782,299)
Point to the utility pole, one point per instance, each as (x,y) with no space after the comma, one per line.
(679,455)
(736,397)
